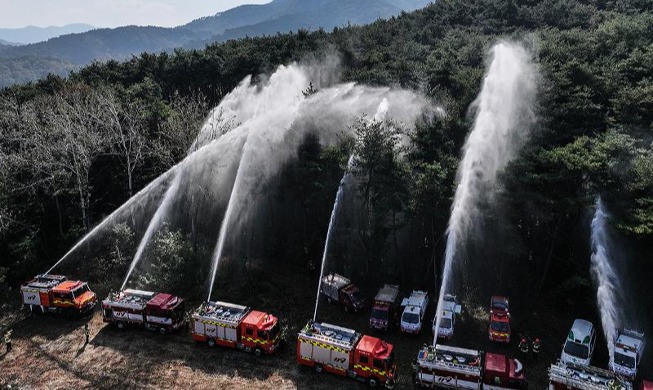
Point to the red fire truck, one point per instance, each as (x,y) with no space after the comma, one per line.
(153,311)
(499,329)
(55,294)
(384,313)
(448,367)
(345,352)
(569,376)
(235,326)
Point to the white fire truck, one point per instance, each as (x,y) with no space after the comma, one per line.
(236,326)
(55,294)
(414,310)
(628,351)
(449,367)
(570,376)
(153,311)
(345,352)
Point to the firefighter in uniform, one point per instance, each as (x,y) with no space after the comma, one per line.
(536,347)
(87,333)
(523,346)
(8,340)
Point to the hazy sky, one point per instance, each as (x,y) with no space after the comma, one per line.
(110,13)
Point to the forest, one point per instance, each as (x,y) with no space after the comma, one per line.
(74,149)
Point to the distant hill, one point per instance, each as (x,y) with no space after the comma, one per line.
(65,53)
(32,34)
(7,43)
(290,15)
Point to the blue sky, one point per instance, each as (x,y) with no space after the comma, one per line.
(110,13)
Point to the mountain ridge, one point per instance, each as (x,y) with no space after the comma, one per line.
(67,52)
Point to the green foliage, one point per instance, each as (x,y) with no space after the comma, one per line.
(595,115)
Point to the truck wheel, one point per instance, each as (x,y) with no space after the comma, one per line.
(120,325)
(211,342)
(162,330)
(258,352)
(318,368)
(373,382)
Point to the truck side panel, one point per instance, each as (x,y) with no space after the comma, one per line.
(31,297)
(334,359)
(124,315)
(434,379)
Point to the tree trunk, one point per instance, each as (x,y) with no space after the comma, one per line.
(394,239)
(550,254)
(59,216)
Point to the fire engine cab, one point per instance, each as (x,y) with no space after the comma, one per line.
(55,294)
(570,376)
(236,326)
(345,352)
(449,367)
(153,311)
(499,329)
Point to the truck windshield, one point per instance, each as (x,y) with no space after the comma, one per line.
(355,296)
(81,290)
(391,359)
(178,312)
(380,314)
(500,327)
(274,332)
(410,318)
(577,350)
(445,323)
(623,360)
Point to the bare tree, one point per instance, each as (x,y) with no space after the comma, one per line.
(181,127)
(126,123)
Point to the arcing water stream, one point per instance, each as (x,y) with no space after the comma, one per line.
(120,213)
(504,115)
(255,130)
(332,221)
(605,277)
(285,117)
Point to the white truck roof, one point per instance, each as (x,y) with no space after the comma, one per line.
(344,338)
(336,280)
(129,299)
(580,330)
(584,377)
(454,359)
(416,298)
(629,340)
(221,312)
(387,293)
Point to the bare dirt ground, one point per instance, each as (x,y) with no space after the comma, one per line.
(49,351)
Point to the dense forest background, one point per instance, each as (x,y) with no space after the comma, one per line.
(74,149)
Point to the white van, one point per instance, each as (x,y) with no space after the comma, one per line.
(579,346)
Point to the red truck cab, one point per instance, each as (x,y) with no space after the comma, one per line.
(374,358)
(503,372)
(499,329)
(260,330)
